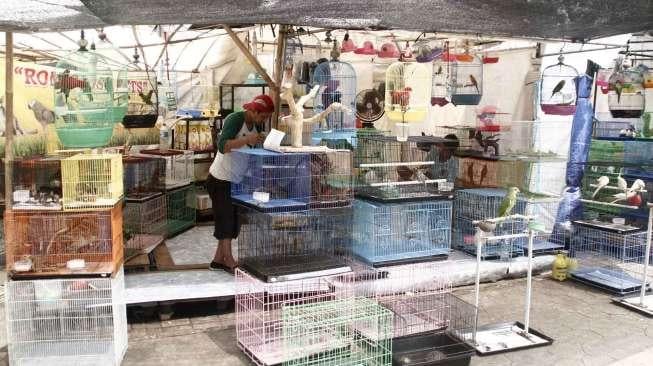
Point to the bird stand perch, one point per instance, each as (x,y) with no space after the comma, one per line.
(295,121)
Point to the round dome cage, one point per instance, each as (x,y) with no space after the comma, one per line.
(407,91)
(558,89)
(466,79)
(337,81)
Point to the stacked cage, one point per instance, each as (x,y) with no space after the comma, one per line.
(91,181)
(471,205)
(610,256)
(180,209)
(36,183)
(331,179)
(69,321)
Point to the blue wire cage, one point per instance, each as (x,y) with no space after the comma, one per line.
(337,81)
(396,233)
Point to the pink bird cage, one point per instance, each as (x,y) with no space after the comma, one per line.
(558,89)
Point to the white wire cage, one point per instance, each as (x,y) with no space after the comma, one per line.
(67,321)
(407,92)
(610,256)
(337,81)
(626,97)
(466,79)
(558,89)
(179,169)
(285,246)
(198,100)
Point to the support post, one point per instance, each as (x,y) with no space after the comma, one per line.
(278,72)
(529,282)
(647,255)
(243,48)
(9,117)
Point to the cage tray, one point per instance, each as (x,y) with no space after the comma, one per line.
(284,205)
(430,349)
(414,198)
(542,247)
(607,279)
(91,270)
(419,255)
(493,254)
(288,268)
(507,337)
(37,207)
(633,303)
(608,226)
(141,196)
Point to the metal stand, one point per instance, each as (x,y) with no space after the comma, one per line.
(642,303)
(507,337)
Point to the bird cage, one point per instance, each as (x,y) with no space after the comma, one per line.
(180,207)
(36,183)
(466,237)
(440,81)
(193,135)
(353,331)
(466,79)
(285,246)
(491,119)
(606,151)
(610,256)
(90,97)
(81,321)
(259,313)
(91,181)
(271,181)
(198,99)
(143,107)
(393,233)
(55,243)
(142,175)
(331,179)
(179,165)
(407,91)
(145,222)
(558,89)
(337,82)
(607,127)
(626,92)
(391,170)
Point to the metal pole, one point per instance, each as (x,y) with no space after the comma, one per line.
(477,284)
(278,73)
(9,116)
(647,253)
(529,281)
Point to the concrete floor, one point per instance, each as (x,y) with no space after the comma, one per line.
(588,330)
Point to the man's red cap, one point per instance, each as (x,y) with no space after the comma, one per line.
(261,103)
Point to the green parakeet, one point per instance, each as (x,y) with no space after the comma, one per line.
(618,87)
(508,202)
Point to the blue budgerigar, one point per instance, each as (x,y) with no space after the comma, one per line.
(509,202)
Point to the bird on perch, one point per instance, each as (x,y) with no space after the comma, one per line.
(509,202)
(601,182)
(557,88)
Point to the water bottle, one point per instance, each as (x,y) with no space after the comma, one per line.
(165,138)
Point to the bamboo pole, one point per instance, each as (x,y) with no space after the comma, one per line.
(251,58)
(9,116)
(278,72)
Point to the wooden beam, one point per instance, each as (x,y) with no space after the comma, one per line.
(9,117)
(234,37)
(278,72)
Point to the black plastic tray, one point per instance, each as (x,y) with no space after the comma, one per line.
(427,349)
(268,269)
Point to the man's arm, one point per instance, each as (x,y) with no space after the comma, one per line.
(229,139)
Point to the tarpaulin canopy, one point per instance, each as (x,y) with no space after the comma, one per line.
(551,19)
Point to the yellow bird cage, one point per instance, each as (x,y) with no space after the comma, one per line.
(91,181)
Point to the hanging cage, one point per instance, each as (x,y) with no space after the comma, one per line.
(199,99)
(558,89)
(143,107)
(466,79)
(440,85)
(407,92)
(90,97)
(626,92)
(337,82)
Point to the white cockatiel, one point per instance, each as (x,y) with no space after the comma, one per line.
(601,182)
(628,193)
(621,183)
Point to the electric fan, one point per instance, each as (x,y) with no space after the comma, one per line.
(369,106)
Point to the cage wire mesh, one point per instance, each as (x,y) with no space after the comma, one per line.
(259,313)
(343,332)
(466,79)
(331,179)
(337,81)
(91,181)
(67,321)
(285,177)
(606,151)
(421,167)
(393,233)
(50,243)
(407,92)
(90,97)
(609,259)
(36,183)
(234,96)
(626,92)
(143,105)
(282,246)
(145,223)
(476,172)
(558,89)
(440,85)
(179,170)
(199,100)
(608,128)
(180,207)
(142,176)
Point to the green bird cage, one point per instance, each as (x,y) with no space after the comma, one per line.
(90,97)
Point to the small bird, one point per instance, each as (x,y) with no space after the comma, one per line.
(439,70)
(618,87)
(601,182)
(630,193)
(621,183)
(509,202)
(474,83)
(470,173)
(147,98)
(483,174)
(487,226)
(557,88)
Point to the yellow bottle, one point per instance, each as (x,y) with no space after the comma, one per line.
(560,267)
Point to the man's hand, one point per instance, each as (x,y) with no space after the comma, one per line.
(254,139)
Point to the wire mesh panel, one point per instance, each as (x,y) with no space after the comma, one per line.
(440,86)
(271,181)
(143,107)
(337,81)
(143,175)
(613,128)
(67,321)
(91,181)
(50,243)
(343,332)
(259,320)
(283,246)
(180,207)
(198,101)
(37,183)
(391,170)
(394,233)
(145,223)
(466,238)
(606,151)
(609,256)
(179,166)
(466,80)
(331,179)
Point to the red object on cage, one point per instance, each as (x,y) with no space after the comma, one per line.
(55,243)
(401,97)
(490,60)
